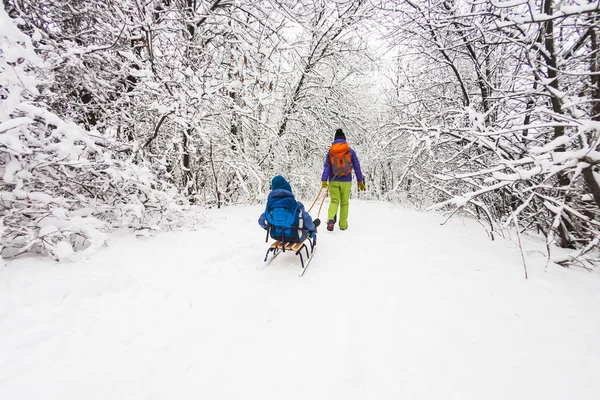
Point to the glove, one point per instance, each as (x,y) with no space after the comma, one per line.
(311,234)
(361,186)
(323,184)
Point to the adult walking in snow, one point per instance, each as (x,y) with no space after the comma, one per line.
(284,217)
(337,173)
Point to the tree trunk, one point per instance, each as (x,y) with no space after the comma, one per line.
(552,73)
(588,173)
(188,179)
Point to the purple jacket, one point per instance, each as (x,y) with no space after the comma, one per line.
(328,174)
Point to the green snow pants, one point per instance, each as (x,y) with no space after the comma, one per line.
(339,192)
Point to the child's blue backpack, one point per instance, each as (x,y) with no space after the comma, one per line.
(285,218)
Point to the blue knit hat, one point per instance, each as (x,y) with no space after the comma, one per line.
(279,182)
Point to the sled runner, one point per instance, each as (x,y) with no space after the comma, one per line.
(303,249)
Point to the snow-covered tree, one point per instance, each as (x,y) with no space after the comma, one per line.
(62,186)
(504,100)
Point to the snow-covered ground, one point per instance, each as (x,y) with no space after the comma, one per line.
(396,307)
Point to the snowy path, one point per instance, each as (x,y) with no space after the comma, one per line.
(397,307)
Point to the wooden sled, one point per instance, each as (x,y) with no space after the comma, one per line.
(308,247)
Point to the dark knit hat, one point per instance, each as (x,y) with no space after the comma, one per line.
(279,182)
(339,134)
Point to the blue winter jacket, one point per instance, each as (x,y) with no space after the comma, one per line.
(309,226)
(328,173)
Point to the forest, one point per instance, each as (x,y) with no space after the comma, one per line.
(125,113)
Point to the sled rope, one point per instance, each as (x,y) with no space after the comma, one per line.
(316,198)
(321,206)
(323,202)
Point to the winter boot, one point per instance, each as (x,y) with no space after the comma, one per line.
(330,225)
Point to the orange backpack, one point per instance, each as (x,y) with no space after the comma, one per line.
(339,155)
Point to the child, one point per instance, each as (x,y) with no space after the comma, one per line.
(284,216)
